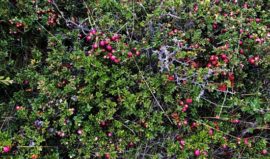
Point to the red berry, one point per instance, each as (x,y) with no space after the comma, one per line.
(195,7)
(223,56)
(138,53)
(88,38)
(109,47)
(115,38)
(25,82)
(212,58)
(129,54)
(102,43)
(240,42)
(109,134)
(107,41)
(94,31)
(251,60)
(235,121)
(185,122)
(264,152)
(227,45)
(102,124)
(241,31)
(6,149)
(182,142)
(214,63)
(231,76)
(34,156)
(245,5)
(131,144)
(222,87)
(215,26)
(241,51)
(223,73)
(95,46)
(188,100)
(113,57)
(224,146)
(184,109)
(117,60)
(226,60)
(211,132)
(109,54)
(18,107)
(256,58)
(170,78)
(18,25)
(107,156)
(181,103)
(223,30)
(171,33)
(197,153)
(178,138)
(194,125)
(80,131)
(258,40)
(238,140)
(246,141)
(194,64)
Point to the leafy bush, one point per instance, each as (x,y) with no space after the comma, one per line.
(140,79)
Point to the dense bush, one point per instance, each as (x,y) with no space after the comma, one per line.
(135,79)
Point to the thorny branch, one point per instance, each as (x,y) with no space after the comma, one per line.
(70,23)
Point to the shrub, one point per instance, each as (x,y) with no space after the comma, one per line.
(109,79)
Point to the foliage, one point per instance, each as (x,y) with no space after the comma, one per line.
(5,81)
(135,79)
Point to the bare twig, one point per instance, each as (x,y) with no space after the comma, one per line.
(152,92)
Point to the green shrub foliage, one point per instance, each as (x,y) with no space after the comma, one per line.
(134,79)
